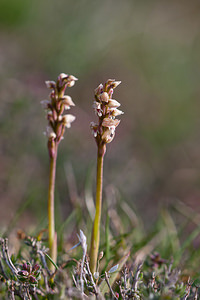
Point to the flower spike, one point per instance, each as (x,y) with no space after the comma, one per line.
(58,121)
(106,109)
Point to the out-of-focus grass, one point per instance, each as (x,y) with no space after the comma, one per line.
(153,48)
(124,239)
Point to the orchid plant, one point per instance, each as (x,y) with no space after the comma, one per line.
(55,108)
(106,109)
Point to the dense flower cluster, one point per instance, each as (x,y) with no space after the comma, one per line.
(29,273)
(58,103)
(107,110)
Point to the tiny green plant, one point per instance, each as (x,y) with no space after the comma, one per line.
(57,122)
(106,110)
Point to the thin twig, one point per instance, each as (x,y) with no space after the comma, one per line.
(196,294)
(83,241)
(42,256)
(136,278)
(12,292)
(91,277)
(82,265)
(110,288)
(121,291)
(125,278)
(188,288)
(74,280)
(6,257)
(2,270)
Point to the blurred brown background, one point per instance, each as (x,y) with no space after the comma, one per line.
(153,47)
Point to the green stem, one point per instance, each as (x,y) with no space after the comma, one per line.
(96,226)
(51,216)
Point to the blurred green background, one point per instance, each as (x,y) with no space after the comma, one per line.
(153,47)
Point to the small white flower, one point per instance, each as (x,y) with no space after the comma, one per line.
(71,80)
(97,108)
(94,128)
(50,84)
(67,100)
(68,119)
(63,76)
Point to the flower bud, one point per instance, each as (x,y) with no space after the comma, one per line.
(32,279)
(104,97)
(113,103)
(109,81)
(108,122)
(112,83)
(36,267)
(116,112)
(24,266)
(110,93)
(99,89)
(108,135)
(115,84)
(100,255)
(23,273)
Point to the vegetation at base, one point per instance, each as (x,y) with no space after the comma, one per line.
(140,264)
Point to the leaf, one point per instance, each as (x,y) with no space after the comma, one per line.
(74,246)
(113,269)
(51,261)
(196,283)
